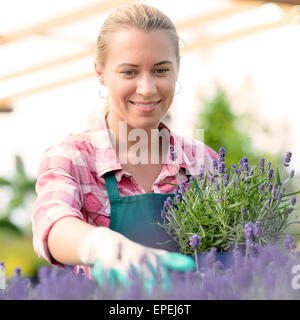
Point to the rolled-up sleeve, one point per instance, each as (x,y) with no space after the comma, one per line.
(59,195)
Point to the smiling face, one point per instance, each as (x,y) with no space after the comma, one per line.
(140,73)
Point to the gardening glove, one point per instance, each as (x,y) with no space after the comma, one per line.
(112,254)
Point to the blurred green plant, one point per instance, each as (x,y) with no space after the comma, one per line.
(20,186)
(222,129)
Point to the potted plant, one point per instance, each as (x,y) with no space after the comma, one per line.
(229,208)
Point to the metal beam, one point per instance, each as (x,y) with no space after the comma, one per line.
(202,43)
(81,13)
(191,22)
(286,19)
(218,14)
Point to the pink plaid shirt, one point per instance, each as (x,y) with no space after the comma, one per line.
(70,180)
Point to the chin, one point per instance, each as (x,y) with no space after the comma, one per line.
(145,123)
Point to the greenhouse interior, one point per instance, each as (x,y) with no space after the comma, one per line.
(237,223)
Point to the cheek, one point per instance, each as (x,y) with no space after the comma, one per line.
(168,88)
(120,91)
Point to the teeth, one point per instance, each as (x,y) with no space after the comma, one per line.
(145,105)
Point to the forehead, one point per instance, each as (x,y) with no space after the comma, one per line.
(136,46)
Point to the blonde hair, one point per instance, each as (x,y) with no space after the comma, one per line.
(141,16)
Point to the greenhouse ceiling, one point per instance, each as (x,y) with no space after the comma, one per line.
(29,64)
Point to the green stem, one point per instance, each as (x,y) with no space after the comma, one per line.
(196,260)
(247,248)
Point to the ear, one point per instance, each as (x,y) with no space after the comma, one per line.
(99,73)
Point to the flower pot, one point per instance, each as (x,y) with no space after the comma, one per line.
(226,258)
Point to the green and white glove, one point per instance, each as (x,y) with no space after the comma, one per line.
(112,255)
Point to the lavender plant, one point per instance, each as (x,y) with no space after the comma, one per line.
(264,273)
(220,205)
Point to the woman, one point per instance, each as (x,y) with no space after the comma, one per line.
(97,201)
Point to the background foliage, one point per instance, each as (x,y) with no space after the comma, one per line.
(16,241)
(222,128)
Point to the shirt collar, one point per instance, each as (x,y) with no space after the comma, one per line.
(107,160)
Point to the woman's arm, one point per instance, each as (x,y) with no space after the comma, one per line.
(64,238)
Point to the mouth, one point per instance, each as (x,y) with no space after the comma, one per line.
(145,105)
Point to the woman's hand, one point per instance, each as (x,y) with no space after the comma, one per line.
(112,255)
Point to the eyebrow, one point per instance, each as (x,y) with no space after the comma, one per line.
(135,65)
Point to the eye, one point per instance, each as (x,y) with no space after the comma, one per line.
(162,70)
(128,72)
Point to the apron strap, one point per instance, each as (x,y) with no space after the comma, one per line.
(111,185)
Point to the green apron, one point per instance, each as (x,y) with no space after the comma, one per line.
(136,216)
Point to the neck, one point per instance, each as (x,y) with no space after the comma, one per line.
(137,145)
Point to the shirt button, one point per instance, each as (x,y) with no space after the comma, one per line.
(107,210)
(155,187)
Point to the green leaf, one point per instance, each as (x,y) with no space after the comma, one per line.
(204,183)
(278,176)
(7,226)
(172,184)
(234,205)
(20,165)
(16,201)
(291,194)
(4,182)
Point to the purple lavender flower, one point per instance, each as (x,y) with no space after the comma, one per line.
(274,193)
(221,167)
(292,173)
(191,178)
(211,258)
(267,202)
(289,242)
(270,187)
(181,188)
(244,164)
(195,241)
(233,166)
(177,197)
(172,152)
(201,175)
(287,159)
(163,213)
(261,187)
(280,195)
(271,171)
(226,179)
(234,182)
(262,166)
(176,191)
(254,280)
(243,210)
(293,201)
(237,171)
(258,229)
(215,164)
(222,154)
(248,230)
(269,165)
(241,163)
(169,203)
(289,210)
(18,272)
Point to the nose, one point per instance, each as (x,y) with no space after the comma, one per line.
(146,86)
